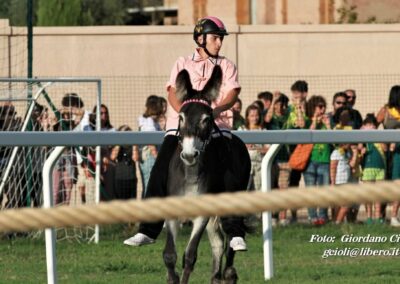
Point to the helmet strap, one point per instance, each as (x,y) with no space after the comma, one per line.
(203,46)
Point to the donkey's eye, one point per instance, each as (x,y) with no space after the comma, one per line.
(205,120)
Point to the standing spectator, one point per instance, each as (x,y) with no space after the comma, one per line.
(344,118)
(38,155)
(344,159)
(276,118)
(149,122)
(351,101)
(266,99)
(278,113)
(256,151)
(105,123)
(65,174)
(389,115)
(122,180)
(162,118)
(297,119)
(238,119)
(317,170)
(374,162)
(339,100)
(87,171)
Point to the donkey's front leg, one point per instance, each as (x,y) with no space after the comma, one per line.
(230,274)
(169,254)
(190,256)
(216,237)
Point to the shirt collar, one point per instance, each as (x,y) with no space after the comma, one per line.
(197,57)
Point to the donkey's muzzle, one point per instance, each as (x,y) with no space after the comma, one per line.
(190,159)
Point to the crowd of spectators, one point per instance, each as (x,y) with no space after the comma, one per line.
(328,164)
(122,166)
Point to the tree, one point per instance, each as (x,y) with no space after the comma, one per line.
(347,13)
(14,10)
(58,12)
(103,12)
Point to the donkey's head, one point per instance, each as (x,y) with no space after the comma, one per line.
(195,116)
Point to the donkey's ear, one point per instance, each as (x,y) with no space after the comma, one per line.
(183,85)
(211,89)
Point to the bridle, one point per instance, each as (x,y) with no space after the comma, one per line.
(214,126)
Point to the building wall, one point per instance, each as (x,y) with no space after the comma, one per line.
(302,12)
(383,10)
(5,32)
(298,49)
(289,11)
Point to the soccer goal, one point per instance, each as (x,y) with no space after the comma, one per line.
(47,105)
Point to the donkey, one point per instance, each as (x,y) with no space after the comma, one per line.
(203,164)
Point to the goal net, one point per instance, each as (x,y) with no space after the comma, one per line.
(43,106)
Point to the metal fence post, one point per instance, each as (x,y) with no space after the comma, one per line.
(266,167)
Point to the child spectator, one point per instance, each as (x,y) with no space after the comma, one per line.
(297,119)
(374,161)
(256,151)
(343,120)
(276,119)
(344,159)
(317,170)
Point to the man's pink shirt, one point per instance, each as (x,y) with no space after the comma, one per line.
(200,71)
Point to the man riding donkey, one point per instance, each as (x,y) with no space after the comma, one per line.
(208,34)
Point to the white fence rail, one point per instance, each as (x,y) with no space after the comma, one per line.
(102,138)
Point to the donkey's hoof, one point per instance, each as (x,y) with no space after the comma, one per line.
(230,275)
(216,281)
(173,279)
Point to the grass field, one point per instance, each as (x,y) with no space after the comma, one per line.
(296,260)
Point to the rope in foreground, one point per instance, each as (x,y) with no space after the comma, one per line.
(205,205)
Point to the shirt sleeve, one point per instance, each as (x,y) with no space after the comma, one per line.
(176,68)
(146,124)
(335,155)
(230,81)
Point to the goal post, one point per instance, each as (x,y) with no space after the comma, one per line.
(36,105)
